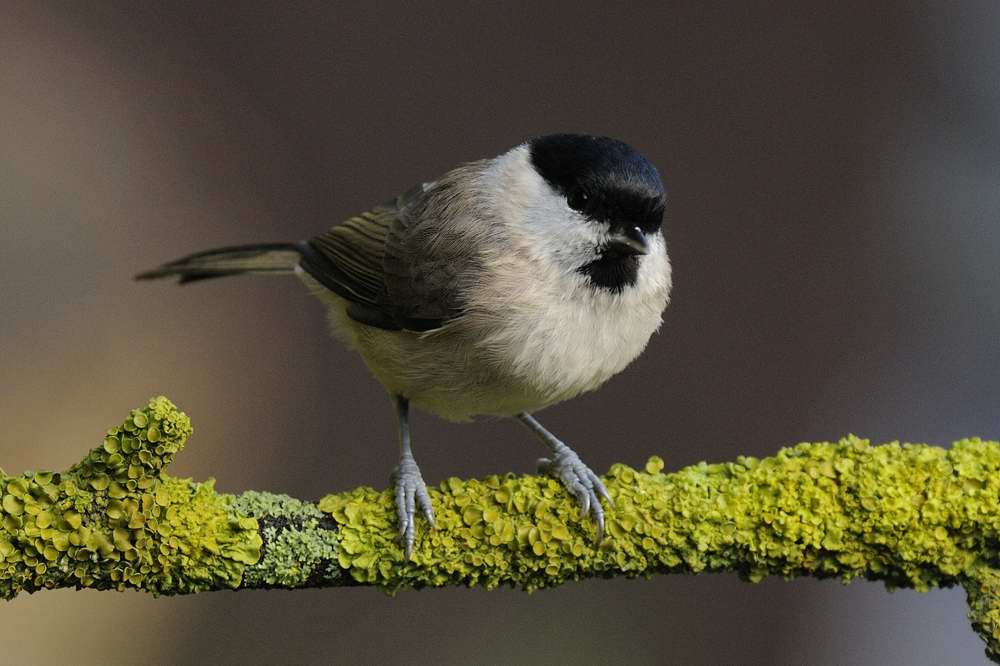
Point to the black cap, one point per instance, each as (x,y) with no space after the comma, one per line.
(604,178)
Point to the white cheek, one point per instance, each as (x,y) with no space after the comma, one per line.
(538,219)
(560,236)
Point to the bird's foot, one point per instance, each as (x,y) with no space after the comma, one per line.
(411,492)
(580,481)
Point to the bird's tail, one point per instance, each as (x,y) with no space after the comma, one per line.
(261,258)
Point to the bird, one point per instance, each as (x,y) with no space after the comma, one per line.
(503,287)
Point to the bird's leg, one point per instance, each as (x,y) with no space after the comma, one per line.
(408,484)
(566,466)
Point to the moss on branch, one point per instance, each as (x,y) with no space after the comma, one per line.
(909,515)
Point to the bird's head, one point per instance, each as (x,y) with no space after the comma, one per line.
(595,204)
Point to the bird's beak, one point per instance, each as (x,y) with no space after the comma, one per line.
(630,240)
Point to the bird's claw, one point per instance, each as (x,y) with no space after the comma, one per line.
(410,492)
(580,481)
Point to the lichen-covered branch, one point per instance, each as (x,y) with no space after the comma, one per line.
(909,515)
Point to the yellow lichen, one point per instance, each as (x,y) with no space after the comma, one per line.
(115,520)
(910,515)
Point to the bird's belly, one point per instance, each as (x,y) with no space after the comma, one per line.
(482,365)
(468,370)
(443,373)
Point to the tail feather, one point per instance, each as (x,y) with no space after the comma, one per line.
(260,258)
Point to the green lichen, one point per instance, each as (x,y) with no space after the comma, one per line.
(300,543)
(274,505)
(910,515)
(296,557)
(983,592)
(115,520)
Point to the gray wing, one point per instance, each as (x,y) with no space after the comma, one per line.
(383,262)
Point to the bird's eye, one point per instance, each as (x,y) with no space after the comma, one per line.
(578,199)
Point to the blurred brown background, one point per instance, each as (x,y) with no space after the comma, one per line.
(834,223)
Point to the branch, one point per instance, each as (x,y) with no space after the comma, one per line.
(909,515)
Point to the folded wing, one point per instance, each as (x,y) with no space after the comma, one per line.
(383,263)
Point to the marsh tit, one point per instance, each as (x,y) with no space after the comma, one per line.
(503,287)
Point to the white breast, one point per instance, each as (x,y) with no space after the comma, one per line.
(560,336)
